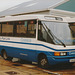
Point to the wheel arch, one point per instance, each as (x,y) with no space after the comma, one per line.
(41,54)
(2,51)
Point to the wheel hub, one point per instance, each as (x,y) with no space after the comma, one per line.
(43,62)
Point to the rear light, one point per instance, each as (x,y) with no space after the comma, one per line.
(60,53)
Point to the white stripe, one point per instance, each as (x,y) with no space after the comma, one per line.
(31,40)
(26,46)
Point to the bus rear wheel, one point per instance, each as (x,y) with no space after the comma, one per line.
(43,62)
(5,56)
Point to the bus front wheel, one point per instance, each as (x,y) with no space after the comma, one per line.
(5,56)
(43,62)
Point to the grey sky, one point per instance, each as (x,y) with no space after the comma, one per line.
(5,4)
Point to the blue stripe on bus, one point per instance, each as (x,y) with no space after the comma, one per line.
(39,45)
(22,49)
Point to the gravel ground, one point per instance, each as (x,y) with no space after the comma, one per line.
(15,67)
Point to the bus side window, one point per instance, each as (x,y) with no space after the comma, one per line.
(72,27)
(25,29)
(7,29)
(43,35)
(32,30)
(0,28)
(18,29)
(40,33)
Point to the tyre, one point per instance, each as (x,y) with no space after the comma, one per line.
(43,62)
(4,55)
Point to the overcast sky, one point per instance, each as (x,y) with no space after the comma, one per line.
(5,4)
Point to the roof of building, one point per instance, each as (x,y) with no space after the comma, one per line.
(68,6)
(32,6)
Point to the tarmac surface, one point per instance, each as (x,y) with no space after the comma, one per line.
(16,67)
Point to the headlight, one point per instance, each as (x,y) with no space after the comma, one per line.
(63,53)
(60,53)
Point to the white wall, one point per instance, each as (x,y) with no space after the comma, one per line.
(61,13)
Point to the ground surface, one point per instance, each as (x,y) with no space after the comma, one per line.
(16,67)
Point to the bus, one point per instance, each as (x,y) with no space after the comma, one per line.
(44,39)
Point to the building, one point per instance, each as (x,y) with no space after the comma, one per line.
(48,7)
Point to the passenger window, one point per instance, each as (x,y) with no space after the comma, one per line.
(7,29)
(72,27)
(32,30)
(26,29)
(19,29)
(0,28)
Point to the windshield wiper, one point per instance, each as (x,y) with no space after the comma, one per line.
(53,36)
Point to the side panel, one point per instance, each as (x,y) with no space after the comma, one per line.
(21,53)
(23,48)
(19,48)
(29,49)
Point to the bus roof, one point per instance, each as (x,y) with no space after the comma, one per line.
(39,17)
(70,19)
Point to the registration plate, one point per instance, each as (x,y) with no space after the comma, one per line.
(72,53)
(72,60)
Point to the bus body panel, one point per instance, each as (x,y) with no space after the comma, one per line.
(18,45)
(30,51)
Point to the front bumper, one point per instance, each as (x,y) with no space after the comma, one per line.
(53,60)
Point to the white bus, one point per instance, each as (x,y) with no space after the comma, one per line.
(47,40)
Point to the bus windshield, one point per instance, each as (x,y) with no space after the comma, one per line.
(57,32)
